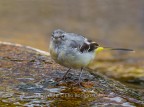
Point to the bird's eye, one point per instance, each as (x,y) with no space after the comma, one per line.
(62,36)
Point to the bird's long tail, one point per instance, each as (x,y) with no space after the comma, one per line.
(99,49)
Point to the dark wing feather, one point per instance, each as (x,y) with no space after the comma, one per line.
(84,47)
(89,46)
(93,46)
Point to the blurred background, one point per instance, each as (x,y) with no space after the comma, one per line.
(115,23)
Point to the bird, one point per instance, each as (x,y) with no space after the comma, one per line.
(75,51)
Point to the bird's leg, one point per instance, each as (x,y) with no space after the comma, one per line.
(79,79)
(80,75)
(63,78)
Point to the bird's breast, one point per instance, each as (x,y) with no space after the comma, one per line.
(53,51)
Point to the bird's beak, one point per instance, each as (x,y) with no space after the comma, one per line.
(55,38)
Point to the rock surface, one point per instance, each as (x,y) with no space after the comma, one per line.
(29,77)
(124,66)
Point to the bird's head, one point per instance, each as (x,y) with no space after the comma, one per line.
(58,36)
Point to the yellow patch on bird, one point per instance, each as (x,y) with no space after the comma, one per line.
(99,49)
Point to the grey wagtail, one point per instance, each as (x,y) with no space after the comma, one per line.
(74,51)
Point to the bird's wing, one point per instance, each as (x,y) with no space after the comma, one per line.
(88,45)
(81,43)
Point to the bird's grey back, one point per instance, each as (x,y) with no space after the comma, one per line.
(75,39)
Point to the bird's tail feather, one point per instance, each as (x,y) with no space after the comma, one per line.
(99,49)
(119,49)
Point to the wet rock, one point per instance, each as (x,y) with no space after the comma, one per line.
(127,67)
(31,78)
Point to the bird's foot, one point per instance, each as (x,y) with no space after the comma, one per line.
(62,79)
(78,84)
